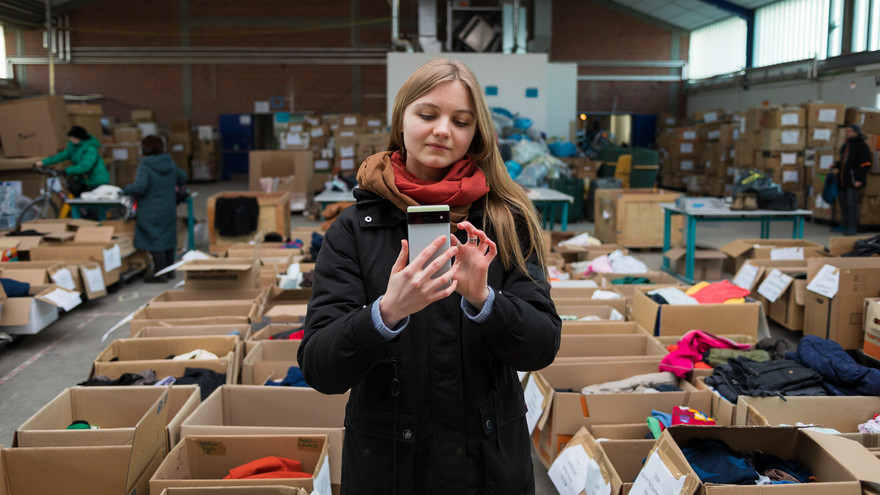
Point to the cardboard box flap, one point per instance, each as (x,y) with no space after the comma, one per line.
(25,469)
(854,457)
(800,292)
(668,454)
(10,242)
(548,392)
(149,437)
(736,248)
(207,265)
(699,253)
(94,234)
(26,242)
(59,297)
(59,236)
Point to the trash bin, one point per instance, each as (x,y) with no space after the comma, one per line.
(572,187)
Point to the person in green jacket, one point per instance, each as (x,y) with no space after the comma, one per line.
(154,187)
(87,170)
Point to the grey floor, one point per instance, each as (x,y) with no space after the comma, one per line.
(36,368)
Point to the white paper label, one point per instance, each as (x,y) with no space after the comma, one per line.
(790,120)
(821,134)
(735,135)
(313,121)
(731,171)
(374,123)
(710,117)
(317,132)
(94,280)
(774,285)
(689,135)
(787,253)
(825,282)
(350,121)
(686,147)
(828,115)
(296,128)
(346,151)
(346,164)
(790,137)
(670,121)
(120,153)
(294,139)
(746,275)
(713,135)
(64,299)
(322,479)
(534,404)
(788,158)
(521,375)
(826,161)
(112,258)
(574,471)
(206,132)
(261,107)
(615,315)
(177,148)
(596,484)
(655,478)
(63,278)
(687,164)
(791,176)
(322,164)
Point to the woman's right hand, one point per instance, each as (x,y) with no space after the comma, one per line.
(39,163)
(411,288)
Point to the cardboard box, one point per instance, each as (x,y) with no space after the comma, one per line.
(721,319)
(269,360)
(844,414)
(204,460)
(613,347)
(235,490)
(741,250)
(268,332)
(91,123)
(782,117)
(789,139)
(836,311)
(285,305)
(223,273)
(118,411)
(633,217)
(282,164)
(89,244)
(106,469)
(139,115)
(159,330)
(29,315)
(601,328)
(127,134)
(779,286)
(64,275)
(34,126)
(274,215)
(259,410)
(566,412)
(835,462)
(821,136)
(172,313)
(707,262)
(824,113)
(872,328)
(867,118)
(135,355)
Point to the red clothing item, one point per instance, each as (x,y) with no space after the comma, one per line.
(268,467)
(464,183)
(718,292)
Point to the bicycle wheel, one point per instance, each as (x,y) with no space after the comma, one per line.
(42,207)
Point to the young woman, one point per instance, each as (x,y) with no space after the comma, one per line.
(154,187)
(87,170)
(435,403)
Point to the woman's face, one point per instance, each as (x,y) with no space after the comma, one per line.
(438,129)
(74,140)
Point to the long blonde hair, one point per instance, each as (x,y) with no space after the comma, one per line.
(507,204)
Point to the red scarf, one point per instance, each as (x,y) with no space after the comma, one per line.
(463,184)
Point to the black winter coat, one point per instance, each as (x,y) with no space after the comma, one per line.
(440,408)
(153,186)
(855,157)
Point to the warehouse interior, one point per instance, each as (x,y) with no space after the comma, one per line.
(684,159)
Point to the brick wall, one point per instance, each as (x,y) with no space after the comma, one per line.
(581,30)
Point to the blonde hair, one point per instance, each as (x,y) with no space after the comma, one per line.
(506,204)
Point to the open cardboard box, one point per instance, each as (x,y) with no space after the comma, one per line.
(31,314)
(173,295)
(234,311)
(285,305)
(590,311)
(707,262)
(605,347)
(849,281)
(221,273)
(234,490)
(204,460)
(721,319)
(89,243)
(568,411)
(64,275)
(118,411)
(105,469)
(259,410)
(267,332)
(601,327)
(741,250)
(837,463)
(269,360)
(135,355)
(160,330)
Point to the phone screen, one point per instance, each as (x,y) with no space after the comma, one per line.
(424,224)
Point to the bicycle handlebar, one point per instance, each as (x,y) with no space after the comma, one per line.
(51,172)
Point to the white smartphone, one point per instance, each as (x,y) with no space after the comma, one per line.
(424,224)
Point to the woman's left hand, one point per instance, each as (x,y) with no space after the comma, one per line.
(473,259)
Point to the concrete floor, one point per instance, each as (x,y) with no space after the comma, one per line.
(35,369)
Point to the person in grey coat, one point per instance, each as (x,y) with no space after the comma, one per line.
(154,187)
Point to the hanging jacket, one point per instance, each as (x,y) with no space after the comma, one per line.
(154,187)
(86,162)
(439,409)
(855,160)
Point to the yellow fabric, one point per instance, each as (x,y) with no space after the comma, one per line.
(738,300)
(697,288)
(624,164)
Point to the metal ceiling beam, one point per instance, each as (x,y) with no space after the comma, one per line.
(641,16)
(745,14)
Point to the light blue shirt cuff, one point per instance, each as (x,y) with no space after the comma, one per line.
(471,311)
(386,333)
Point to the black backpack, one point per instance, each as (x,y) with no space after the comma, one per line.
(774,199)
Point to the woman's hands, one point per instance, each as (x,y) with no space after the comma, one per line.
(472,263)
(411,288)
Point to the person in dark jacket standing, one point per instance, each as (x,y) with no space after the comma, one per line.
(154,187)
(87,170)
(436,405)
(855,159)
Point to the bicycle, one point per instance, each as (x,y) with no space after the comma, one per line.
(44,205)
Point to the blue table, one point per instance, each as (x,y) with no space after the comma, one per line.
(546,200)
(692,218)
